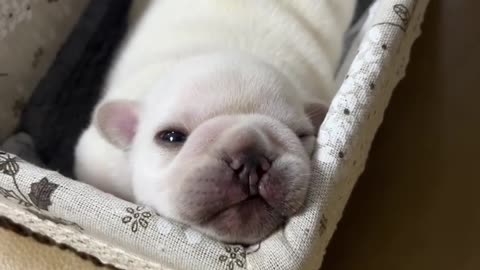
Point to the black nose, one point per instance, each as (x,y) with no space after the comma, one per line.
(250,170)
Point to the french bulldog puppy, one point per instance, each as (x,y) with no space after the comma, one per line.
(211,110)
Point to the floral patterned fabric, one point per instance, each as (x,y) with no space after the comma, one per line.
(134,237)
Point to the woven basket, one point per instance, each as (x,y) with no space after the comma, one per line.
(130,236)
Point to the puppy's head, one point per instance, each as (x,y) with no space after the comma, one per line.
(222,144)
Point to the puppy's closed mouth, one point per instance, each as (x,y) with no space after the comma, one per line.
(250,203)
(243,222)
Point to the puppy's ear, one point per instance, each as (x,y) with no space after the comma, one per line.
(117,122)
(316,110)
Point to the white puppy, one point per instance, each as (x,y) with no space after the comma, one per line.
(210,112)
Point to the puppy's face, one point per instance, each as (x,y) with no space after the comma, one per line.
(222,145)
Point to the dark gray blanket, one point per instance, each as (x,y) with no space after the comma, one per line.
(62,102)
(61,105)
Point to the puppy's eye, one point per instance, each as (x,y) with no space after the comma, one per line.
(171,136)
(303,136)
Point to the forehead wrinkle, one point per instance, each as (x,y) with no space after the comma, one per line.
(230,92)
(210,106)
(206,98)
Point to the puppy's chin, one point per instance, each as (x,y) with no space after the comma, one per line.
(208,201)
(247,222)
(250,219)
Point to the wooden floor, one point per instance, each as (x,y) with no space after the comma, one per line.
(417,206)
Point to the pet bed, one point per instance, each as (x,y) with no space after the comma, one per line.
(37,195)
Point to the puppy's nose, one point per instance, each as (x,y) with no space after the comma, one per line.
(250,170)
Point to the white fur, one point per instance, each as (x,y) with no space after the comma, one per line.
(199,40)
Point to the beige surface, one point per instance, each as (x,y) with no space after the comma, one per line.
(31,33)
(418,204)
(15,249)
